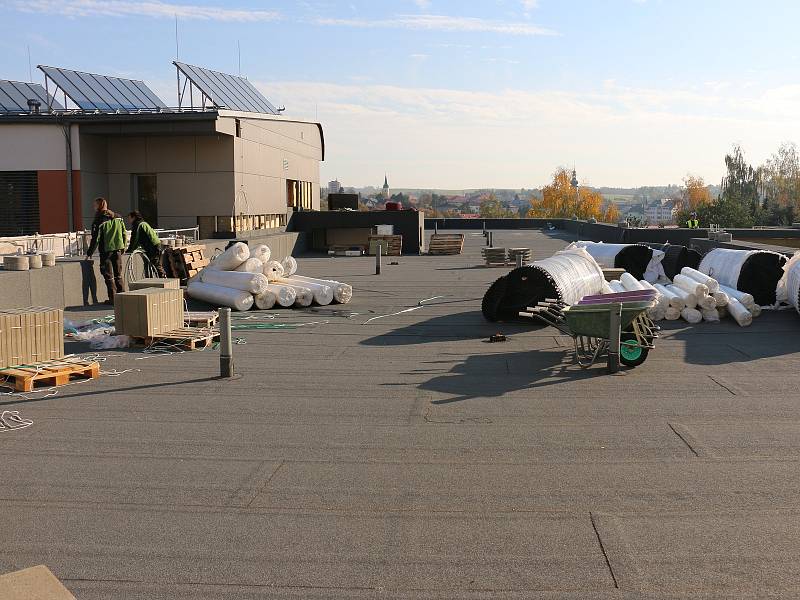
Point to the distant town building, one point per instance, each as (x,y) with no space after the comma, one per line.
(386,195)
(334,187)
(661,211)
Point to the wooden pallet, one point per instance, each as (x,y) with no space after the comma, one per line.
(201,319)
(50,372)
(185,262)
(442,244)
(187,338)
(392,243)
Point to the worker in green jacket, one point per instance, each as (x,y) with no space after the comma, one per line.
(108,237)
(143,236)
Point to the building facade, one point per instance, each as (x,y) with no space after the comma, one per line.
(661,212)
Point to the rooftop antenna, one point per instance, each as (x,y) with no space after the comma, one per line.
(30,70)
(177,56)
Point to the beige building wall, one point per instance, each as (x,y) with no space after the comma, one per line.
(37,147)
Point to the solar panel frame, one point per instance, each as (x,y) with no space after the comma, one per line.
(90,91)
(227,91)
(14,96)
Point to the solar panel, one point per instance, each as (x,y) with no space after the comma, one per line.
(100,92)
(14,96)
(227,91)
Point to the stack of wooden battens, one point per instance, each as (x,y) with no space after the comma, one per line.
(31,335)
(494,257)
(443,244)
(184,262)
(391,245)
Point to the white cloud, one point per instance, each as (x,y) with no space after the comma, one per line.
(530,4)
(423,4)
(441,23)
(130,8)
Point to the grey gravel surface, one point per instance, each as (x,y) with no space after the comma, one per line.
(409,458)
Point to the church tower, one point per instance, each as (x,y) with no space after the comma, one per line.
(386,194)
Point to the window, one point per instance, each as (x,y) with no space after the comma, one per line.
(146,197)
(19,203)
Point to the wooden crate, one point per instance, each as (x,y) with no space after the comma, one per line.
(148,312)
(156,282)
(186,338)
(30,335)
(442,244)
(51,373)
(391,245)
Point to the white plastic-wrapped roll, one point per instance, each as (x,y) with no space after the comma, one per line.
(706,302)
(672,314)
(756,311)
(630,283)
(231,258)
(323,294)
(617,287)
(342,293)
(220,296)
(710,314)
(656,313)
(723,311)
(261,252)
(251,265)
(721,299)
(266,300)
(743,297)
(792,281)
(289,266)
(661,300)
(285,295)
(739,313)
(673,299)
(273,270)
(255,283)
(304,295)
(711,283)
(690,285)
(689,300)
(691,316)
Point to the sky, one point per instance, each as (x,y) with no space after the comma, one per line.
(456,94)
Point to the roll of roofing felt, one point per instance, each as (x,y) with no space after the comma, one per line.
(756,272)
(793,281)
(690,300)
(746,299)
(630,283)
(231,258)
(255,283)
(220,296)
(706,302)
(323,294)
(690,285)
(251,265)
(672,314)
(673,299)
(273,270)
(739,313)
(617,287)
(721,299)
(289,266)
(567,276)
(691,315)
(35,261)
(266,300)
(342,293)
(710,314)
(711,283)
(261,252)
(661,300)
(284,295)
(639,260)
(756,311)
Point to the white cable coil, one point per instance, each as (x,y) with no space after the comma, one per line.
(323,294)
(342,293)
(251,265)
(220,296)
(739,313)
(711,283)
(273,270)
(689,300)
(284,295)
(255,283)
(231,258)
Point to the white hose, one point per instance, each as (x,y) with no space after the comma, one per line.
(617,287)
(273,270)
(691,316)
(266,300)
(721,298)
(255,283)
(672,314)
(690,285)
(261,252)
(710,315)
(342,293)
(673,299)
(630,283)
(323,294)
(289,266)
(739,313)
(707,302)
(743,297)
(689,300)
(251,265)
(220,296)
(285,295)
(231,258)
(711,283)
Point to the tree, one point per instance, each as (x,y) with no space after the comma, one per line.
(561,200)
(742,184)
(611,214)
(695,193)
(492,208)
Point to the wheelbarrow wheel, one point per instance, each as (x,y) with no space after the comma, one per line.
(631,354)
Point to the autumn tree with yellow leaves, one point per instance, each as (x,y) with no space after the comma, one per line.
(561,200)
(695,193)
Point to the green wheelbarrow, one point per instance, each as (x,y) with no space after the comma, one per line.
(589,325)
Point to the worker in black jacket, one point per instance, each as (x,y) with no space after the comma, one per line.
(108,236)
(143,236)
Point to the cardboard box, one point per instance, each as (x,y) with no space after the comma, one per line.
(172,284)
(31,335)
(34,583)
(148,312)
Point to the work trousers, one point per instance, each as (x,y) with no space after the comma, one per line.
(111,270)
(155,258)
